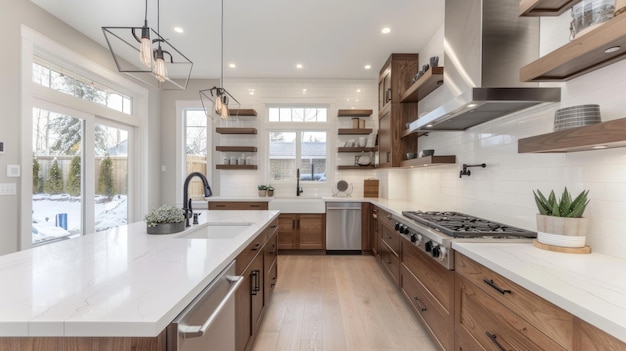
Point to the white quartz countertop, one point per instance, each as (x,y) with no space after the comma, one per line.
(120,282)
(591,287)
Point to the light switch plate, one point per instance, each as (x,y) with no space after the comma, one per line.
(8,189)
(13,171)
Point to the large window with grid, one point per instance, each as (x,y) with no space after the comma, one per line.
(298,143)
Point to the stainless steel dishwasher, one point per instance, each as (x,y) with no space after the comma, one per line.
(343,228)
(208,322)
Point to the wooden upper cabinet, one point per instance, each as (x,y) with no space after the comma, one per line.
(394,80)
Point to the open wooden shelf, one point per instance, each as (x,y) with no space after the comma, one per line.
(236,148)
(352,131)
(429,161)
(232,167)
(545,7)
(431,80)
(605,135)
(354,113)
(235,130)
(356,149)
(581,55)
(242,112)
(355,167)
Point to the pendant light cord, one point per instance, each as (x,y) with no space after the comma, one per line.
(145,21)
(222,47)
(158,17)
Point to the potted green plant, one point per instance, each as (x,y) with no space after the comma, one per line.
(560,222)
(262,190)
(270,190)
(166,219)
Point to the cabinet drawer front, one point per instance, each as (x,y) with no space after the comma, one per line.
(391,238)
(391,262)
(270,252)
(439,321)
(250,252)
(237,205)
(553,321)
(491,324)
(437,279)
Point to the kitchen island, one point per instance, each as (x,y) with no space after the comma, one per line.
(117,283)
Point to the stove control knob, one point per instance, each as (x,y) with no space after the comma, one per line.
(397,227)
(404,229)
(419,238)
(428,246)
(441,253)
(414,238)
(436,251)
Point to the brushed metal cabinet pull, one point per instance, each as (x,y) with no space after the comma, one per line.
(493,339)
(494,286)
(418,302)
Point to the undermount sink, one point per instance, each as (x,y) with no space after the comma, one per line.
(298,205)
(218,230)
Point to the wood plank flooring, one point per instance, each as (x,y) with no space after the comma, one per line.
(337,303)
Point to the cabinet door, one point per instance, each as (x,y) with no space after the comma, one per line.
(270,264)
(312,232)
(589,338)
(243,315)
(257,291)
(287,231)
(373,230)
(384,139)
(384,88)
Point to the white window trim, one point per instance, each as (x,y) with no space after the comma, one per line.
(36,43)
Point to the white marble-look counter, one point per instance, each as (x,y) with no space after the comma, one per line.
(120,282)
(591,287)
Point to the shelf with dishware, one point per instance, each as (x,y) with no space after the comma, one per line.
(545,7)
(354,131)
(429,161)
(598,48)
(354,113)
(242,112)
(236,167)
(236,148)
(235,130)
(346,167)
(604,135)
(356,149)
(426,84)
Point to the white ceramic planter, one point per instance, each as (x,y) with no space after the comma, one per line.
(562,231)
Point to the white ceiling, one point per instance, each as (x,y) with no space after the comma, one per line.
(266,39)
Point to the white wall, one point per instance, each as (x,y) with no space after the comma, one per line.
(503,190)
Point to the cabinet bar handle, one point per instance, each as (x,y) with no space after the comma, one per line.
(255,282)
(497,288)
(492,337)
(419,304)
(273,249)
(256,247)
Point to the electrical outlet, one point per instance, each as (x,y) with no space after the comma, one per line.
(8,189)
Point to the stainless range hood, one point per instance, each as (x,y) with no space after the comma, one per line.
(485,44)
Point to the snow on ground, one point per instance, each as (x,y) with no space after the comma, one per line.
(108,214)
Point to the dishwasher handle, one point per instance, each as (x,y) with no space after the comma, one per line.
(195,331)
(344,208)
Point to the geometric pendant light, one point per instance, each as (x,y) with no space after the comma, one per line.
(215,101)
(142,52)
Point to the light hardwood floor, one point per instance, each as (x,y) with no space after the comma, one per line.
(338,303)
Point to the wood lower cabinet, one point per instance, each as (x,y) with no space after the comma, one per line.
(429,288)
(589,338)
(511,307)
(157,343)
(271,266)
(250,298)
(302,231)
(390,247)
(373,230)
(238,205)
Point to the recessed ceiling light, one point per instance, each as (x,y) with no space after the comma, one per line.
(178,29)
(357,100)
(299,66)
(358,90)
(251,91)
(429,126)
(612,49)
(304,91)
(599,147)
(385,30)
(368,67)
(232,65)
